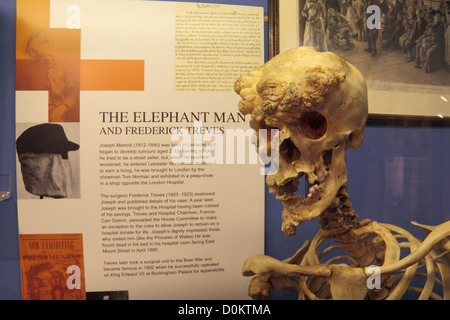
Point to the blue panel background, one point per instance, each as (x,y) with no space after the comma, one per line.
(421,155)
(9,246)
(375,190)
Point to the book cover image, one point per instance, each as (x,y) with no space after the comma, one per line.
(52,267)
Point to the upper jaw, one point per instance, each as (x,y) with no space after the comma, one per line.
(298,209)
(315,183)
(314,187)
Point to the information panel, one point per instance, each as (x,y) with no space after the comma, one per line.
(129,137)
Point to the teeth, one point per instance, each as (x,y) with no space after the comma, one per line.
(313,189)
(312,178)
(321,176)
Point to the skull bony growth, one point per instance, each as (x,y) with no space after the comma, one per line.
(318,102)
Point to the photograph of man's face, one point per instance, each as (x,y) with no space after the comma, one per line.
(44,154)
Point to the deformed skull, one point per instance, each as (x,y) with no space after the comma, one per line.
(318,102)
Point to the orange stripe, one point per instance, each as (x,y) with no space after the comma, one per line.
(32,16)
(112,75)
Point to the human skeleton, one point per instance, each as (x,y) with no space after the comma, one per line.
(318,103)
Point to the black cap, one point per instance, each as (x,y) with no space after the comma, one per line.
(45,138)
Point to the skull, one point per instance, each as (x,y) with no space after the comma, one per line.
(318,102)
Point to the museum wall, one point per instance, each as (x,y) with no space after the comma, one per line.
(9,252)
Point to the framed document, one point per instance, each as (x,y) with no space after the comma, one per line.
(407,73)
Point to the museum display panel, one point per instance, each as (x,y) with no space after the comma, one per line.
(129,136)
(132,138)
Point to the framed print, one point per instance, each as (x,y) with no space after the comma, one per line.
(402,48)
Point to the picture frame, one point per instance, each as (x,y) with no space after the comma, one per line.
(399,94)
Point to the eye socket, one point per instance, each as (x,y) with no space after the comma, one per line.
(313,125)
